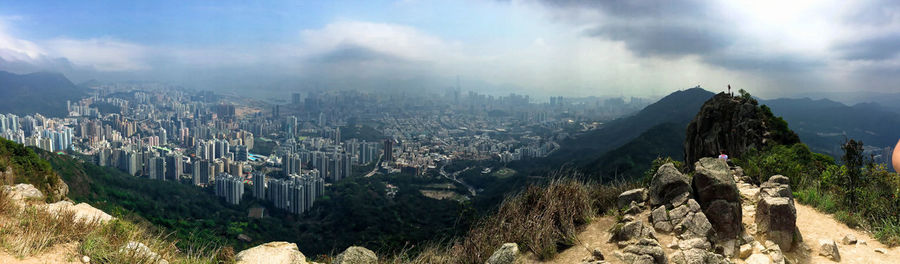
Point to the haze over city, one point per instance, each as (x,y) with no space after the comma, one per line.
(540,48)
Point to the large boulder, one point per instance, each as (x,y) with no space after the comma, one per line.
(637,195)
(631,231)
(717,193)
(82,211)
(776,216)
(22,192)
(646,250)
(356,255)
(669,186)
(505,255)
(272,252)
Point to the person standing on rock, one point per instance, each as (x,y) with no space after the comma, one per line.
(723,156)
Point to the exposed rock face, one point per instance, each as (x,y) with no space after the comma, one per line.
(728,123)
(776,216)
(356,255)
(505,255)
(718,195)
(21,192)
(272,252)
(669,186)
(83,212)
(637,195)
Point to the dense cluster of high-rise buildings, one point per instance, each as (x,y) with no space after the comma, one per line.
(201,138)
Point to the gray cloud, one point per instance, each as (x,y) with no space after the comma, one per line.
(763,62)
(665,39)
(882,47)
(674,29)
(349,53)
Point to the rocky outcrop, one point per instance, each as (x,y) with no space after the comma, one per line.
(776,216)
(717,193)
(83,212)
(356,255)
(272,252)
(505,255)
(669,186)
(733,124)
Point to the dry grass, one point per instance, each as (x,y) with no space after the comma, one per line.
(540,219)
(31,230)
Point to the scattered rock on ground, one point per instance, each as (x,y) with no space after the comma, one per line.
(849,239)
(505,255)
(272,252)
(357,255)
(829,249)
(881,250)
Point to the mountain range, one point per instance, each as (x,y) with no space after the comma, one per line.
(40,92)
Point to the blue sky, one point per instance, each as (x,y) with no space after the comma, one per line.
(538,47)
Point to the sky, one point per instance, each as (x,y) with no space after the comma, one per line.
(536,47)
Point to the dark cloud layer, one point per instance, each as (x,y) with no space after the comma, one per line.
(680,28)
(665,39)
(882,47)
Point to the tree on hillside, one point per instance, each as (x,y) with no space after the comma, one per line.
(853,160)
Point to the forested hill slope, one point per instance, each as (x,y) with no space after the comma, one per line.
(40,92)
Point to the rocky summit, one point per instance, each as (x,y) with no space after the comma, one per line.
(733,124)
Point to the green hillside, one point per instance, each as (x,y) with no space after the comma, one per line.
(19,164)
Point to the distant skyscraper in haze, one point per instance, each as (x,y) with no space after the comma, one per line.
(388,150)
(295,98)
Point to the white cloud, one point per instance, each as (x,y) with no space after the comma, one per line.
(14,49)
(102,54)
(397,40)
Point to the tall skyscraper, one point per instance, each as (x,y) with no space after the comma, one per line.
(174,166)
(157,168)
(259,186)
(229,187)
(388,150)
